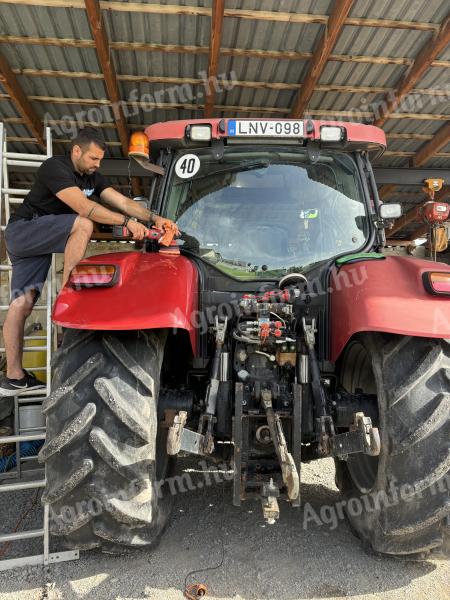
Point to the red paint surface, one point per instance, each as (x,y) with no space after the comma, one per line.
(356,132)
(153,291)
(386,295)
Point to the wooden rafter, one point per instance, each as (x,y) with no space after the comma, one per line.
(344,89)
(104,57)
(21,102)
(214,54)
(431,148)
(421,63)
(321,55)
(386,190)
(95,18)
(233,52)
(199,11)
(331,114)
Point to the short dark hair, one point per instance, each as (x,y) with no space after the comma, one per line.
(87,136)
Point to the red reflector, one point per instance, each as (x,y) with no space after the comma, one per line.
(437,283)
(93,276)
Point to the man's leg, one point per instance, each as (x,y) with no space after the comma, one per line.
(76,245)
(13,330)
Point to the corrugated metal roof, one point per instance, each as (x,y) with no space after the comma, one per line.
(238,33)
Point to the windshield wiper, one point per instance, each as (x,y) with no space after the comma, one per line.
(249,166)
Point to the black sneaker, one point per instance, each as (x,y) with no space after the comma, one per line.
(13,387)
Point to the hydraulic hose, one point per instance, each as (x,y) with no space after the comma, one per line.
(26,449)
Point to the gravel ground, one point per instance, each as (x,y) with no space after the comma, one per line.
(286,561)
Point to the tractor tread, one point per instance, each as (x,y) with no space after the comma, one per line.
(123,535)
(135,513)
(96,361)
(56,493)
(435,516)
(60,526)
(104,451)
(415,451)
(438,417)
(130,462)
(428,364)
(122,355)
(124,401)
(79,425)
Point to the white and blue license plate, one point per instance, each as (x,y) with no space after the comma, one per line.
(260,128)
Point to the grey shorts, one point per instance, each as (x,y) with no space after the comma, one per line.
(30,245)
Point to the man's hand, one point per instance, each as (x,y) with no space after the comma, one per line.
(162,223)
(137,230)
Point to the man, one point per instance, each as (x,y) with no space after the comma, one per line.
(57,216)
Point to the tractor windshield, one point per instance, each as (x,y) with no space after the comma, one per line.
(260,214)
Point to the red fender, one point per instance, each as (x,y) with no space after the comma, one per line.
(153,291)
(385,295)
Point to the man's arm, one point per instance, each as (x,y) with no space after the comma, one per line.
(126,205)
(78,202)
(134,209)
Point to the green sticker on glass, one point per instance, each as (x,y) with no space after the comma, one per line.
(309,213)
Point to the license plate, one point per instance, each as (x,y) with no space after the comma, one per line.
(290,129)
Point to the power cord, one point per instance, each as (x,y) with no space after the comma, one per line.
(194,591)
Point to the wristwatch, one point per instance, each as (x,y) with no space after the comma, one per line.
(127,220)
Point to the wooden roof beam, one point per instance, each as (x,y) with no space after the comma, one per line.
(237,13)
(429,52)
(187,49)
(386,190)
(431,148)
(104,56)
(214,54)
(321,55)
(20,101)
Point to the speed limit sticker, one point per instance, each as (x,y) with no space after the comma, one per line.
(187,166)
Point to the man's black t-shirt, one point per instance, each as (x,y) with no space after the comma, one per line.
(55,174)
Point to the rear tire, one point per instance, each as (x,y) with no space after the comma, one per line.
(405,492)
(104,452)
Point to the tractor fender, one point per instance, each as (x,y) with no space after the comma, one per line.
(152,291)
(386,296)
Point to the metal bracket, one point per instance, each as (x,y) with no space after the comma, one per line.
(288,469)
(271,510)
(180,439)
(309,330)
(362,437)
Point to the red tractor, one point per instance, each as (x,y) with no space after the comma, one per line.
(274,331)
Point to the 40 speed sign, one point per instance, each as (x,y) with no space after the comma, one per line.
(187,166)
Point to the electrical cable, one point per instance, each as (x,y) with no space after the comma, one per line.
(23,516)
(199,589)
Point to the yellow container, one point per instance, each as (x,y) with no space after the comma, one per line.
(36,358)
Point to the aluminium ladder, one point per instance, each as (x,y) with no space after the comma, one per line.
(9,196)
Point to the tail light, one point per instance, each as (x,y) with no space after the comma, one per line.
(437,283)
(85,276)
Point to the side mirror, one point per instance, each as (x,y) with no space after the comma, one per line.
(390,211)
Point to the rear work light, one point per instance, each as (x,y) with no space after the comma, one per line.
(85,276)
(437,283)
(199,133)
(332,133)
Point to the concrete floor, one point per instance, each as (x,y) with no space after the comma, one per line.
(291,560)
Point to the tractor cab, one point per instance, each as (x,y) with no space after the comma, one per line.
(260,199)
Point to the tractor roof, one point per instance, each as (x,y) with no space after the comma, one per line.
(176,134)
